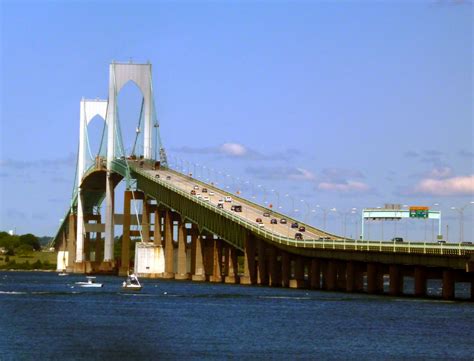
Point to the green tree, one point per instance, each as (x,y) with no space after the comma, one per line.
(31,240)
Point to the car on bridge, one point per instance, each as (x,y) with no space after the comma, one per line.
(204,190)
(266,214)
(236,208)
(274,221)
(193,192)
(198,195)
(211,193)
(294,225)
(196,187)
(302,229)
(157,176)
(283,221)
(228,199)
(220,205)
(298,235)
(258,220)
(397,240)
(205,199)
(168,177)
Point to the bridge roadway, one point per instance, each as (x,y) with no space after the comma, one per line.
(249,212)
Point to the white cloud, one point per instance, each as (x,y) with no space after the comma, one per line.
(302,174)
(344,187)
(463,185)
(234,149)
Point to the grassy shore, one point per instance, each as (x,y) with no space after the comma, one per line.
(29,261)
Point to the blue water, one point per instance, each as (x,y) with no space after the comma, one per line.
(46,317)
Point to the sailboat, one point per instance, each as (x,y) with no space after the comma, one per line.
(132,283)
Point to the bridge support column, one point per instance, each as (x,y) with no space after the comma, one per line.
(331,275)
(231,265)
(285,269)
(216,261)
(80,232)
(350,277)
(169,247)
(71,243)
(274,279)
(341,275)
(197,255)
(125,259)
(99,246)
(157,228)
(182,273)
(448,284)
(374,279)
(249,277)
(298,280)
(396,280)
(146,219)
(315,274)
(420,281)
(108,264)
(354,277)
(262,278)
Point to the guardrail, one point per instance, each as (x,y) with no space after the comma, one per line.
(457,249)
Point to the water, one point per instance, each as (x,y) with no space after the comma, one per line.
(45,317)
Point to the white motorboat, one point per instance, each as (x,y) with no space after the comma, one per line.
(89,283)
(63,274)
(132,283)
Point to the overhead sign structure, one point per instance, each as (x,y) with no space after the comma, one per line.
(394,214)
(419,212)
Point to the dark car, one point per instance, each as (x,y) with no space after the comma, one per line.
(236,208)
(294,225)
(441,242)
(157,176)
(302,229)
(204,190)
(258,220)
(466,243)
(168,177)
(298,236)
(193,192)
(220,205)
(266,214)
(283,221)
(274,221)
(397,240)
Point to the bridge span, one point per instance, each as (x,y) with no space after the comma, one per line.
(186,233)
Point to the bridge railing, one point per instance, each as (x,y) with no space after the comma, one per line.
(333,244)
(247,202)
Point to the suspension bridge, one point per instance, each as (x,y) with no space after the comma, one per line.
(186,229)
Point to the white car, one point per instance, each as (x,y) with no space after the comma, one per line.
(198,195)
(220,201)
(211,194)
(261,225)
(205,198)
(228,199)
(196,187)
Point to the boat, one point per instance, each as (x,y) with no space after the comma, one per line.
(89,283)
(63,274)
(132,283)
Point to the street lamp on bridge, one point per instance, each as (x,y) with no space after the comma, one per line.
(460,210)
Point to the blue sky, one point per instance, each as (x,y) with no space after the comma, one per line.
(345,105)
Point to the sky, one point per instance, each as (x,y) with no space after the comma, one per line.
(341,105)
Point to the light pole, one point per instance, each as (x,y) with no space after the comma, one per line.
(292,201)
(460,210)
(278,197)
(307,212)
(432,225)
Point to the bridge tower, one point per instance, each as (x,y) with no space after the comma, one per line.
(119,75)
(89,108)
